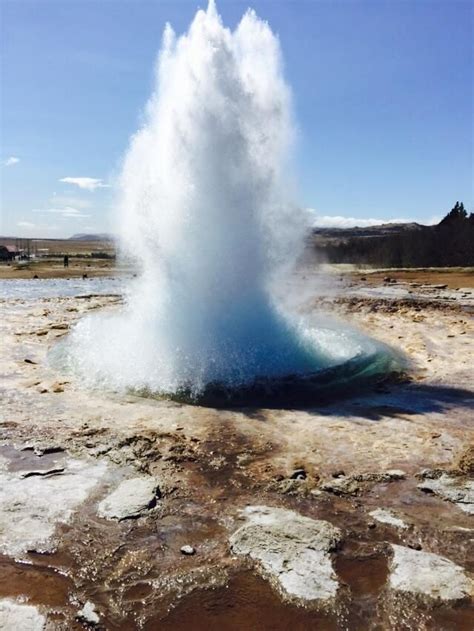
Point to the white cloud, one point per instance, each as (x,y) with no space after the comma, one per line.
(9,162)
(26,224)
(67,211)
(339,221)
(75,202)
(86,183)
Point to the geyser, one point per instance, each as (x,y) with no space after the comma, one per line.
(206,214)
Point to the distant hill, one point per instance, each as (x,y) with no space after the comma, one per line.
(368,231)
(450,243)
(80,236)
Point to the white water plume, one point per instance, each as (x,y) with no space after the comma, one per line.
(206,214)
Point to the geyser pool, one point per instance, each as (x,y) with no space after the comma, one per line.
(205,211)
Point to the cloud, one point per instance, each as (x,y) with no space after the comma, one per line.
(26,224)
(75,202)
(9,162)
(86,183)
(339,221)
(67,211)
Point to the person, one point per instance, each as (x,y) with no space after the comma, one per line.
(66,260)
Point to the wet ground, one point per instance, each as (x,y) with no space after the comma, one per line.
(331,462)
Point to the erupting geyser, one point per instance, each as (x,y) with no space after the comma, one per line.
(205,212)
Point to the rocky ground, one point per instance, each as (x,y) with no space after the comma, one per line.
(120,512)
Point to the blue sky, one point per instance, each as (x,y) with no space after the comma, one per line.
(382,91)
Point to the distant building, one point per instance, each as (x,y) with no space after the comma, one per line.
(9,252)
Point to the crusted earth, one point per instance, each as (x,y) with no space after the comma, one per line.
(321,517)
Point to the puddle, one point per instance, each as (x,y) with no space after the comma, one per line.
(38,585)
(246,602)
(446,619)
(28,460)
(365,576)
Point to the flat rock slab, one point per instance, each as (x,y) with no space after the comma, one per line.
(16,617)
(452,489)
(130,499)
(385,516)
(292,551)
(428,574)
(30,508)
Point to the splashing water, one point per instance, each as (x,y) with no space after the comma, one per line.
(205,212)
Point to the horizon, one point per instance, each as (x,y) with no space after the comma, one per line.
(322,223)
(382,116)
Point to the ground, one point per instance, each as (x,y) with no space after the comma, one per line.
(85,257)
(356,514)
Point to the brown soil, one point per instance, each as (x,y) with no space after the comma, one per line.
(54,268)
(454,278)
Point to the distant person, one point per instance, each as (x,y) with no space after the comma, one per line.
(66,261)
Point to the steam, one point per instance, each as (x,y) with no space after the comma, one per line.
(206,215)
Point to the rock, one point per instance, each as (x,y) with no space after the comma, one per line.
(16,617)
(341,486)
(188,550)
(396,474)
(452,489)
(350,485)
(88,614)
(428,574)
(465,460)
(41,450)
(386,476)
(32,507)
(415,546)
(298,474)
(130,499)
(430,474)
(292,551)
(387,517)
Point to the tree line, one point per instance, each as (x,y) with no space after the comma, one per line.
(449,243)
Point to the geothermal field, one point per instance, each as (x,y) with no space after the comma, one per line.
(219,433)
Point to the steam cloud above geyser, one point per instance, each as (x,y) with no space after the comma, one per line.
(204,210)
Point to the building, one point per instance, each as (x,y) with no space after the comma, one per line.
(9,252)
